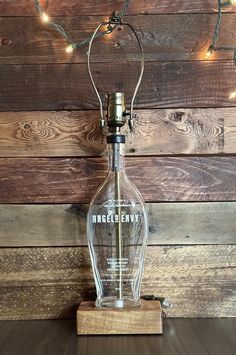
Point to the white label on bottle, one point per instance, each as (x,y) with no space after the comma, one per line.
(117,264)
(115,218)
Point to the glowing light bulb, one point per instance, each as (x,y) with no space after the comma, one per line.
(208,54)
(210,51)
(69,49)
(45,17)
(232,95)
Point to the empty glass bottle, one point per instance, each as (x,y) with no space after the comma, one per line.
(117,219)
(117,233)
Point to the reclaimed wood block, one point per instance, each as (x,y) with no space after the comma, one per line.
(146,319)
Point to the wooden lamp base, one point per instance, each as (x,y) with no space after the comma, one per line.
(146,319)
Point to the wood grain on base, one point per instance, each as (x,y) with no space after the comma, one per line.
(146,319)
(44,283)
(169,223)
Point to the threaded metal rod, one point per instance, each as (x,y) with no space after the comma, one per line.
(116,160)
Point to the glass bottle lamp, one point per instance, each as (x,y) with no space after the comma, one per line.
(117,225)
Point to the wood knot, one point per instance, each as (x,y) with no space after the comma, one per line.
(152,229)
(177,116)
(4,41)
(27,126)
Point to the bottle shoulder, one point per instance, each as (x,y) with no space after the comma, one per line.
(127,189)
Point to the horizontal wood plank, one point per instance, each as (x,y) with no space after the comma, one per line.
(26,41)
(157,132)
(61,180)
(105,7)
(169,223)
(67,86)
(39,283)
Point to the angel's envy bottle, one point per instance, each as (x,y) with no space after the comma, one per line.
(117,223)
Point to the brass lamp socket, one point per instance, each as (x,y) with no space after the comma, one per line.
(116,110)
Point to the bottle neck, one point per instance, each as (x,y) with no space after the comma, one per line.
(116,153)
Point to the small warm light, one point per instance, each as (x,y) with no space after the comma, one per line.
(45,17)
(232,95)
(232,1)
(69,49)
(208,54)
(210,51)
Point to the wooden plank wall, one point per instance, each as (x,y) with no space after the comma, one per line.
(182,155)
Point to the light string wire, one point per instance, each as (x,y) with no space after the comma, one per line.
(58,27)
(213,46)
(111,27)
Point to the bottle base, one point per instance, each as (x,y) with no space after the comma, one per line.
(117,303)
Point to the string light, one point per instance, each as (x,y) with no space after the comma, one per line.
(72,45)
(69,49)
(208,54)
(45,18)
(232,95)
(210,51)
(213,46)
